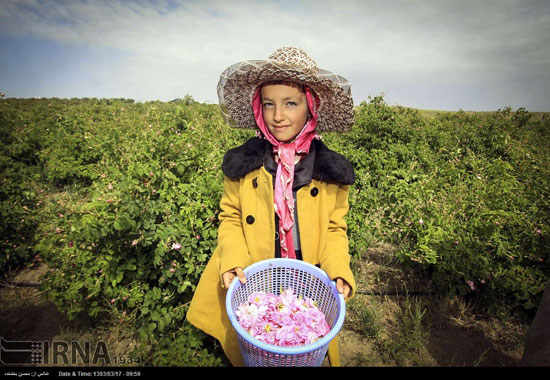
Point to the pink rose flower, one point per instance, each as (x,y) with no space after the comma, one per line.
(284,320)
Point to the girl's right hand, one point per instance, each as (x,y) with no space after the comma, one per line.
(231,274)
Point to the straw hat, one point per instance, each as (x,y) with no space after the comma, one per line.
(239,81)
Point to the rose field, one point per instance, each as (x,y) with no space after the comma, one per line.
(117,202)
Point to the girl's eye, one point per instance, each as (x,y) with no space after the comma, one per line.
(292,104)
(267,104)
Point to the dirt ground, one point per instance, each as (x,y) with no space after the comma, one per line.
(443,331)
(26,315)
(433,332)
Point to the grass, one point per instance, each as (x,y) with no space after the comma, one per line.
(398,336)
(389,326)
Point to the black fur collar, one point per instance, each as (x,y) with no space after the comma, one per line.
(329,166)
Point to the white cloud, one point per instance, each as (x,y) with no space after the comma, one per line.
(169,47)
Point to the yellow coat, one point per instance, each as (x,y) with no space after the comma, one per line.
(246,233)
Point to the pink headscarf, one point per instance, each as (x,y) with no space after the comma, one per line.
(283,198)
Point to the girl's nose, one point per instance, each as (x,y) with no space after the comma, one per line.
(278,115)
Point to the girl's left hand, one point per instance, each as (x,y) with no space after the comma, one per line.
(343,287)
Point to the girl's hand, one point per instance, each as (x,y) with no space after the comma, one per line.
(231,274)
(343,287)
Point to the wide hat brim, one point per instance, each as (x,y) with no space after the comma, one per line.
(239,81)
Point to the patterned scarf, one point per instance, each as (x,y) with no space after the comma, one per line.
(286,152)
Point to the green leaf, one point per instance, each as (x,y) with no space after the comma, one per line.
(119,225)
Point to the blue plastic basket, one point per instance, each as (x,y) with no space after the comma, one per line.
(272,276)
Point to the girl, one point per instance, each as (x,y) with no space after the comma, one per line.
(285,193)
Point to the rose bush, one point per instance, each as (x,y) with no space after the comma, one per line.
(120,199)
(463,195)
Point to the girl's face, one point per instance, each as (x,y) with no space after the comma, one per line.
(285,110)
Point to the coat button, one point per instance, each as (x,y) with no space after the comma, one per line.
(250,219)
(314,192)
(255,182)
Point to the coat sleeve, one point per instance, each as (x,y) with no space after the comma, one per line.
(335,260)
(232,246)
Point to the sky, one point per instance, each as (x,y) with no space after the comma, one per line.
(478,55)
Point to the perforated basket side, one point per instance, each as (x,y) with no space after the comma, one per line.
(274,276)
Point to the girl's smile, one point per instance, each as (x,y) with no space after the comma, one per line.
(285,110)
